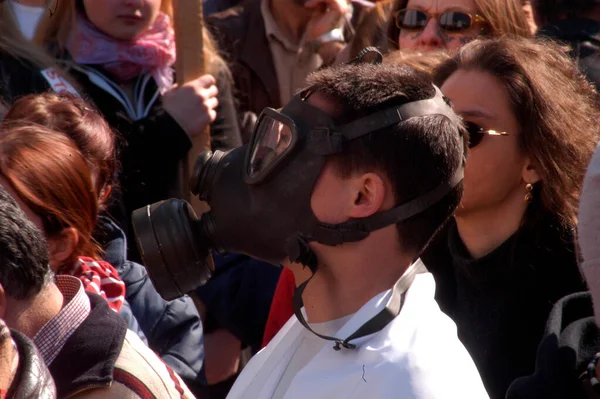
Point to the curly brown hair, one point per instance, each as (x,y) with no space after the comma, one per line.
(51,176)
(557,109)
(80,122)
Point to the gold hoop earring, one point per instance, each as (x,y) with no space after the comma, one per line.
(529,195)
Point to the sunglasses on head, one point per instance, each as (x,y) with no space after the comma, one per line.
(477,133)
(451,21)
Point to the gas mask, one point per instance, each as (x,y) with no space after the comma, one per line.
(260,196)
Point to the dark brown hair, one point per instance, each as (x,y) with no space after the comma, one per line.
(24,257)
(556,107)
(78,120)
(51,177)
(416,155)
(503,17)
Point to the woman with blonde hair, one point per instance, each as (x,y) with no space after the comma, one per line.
(426,25)
(122,53)
(24,69)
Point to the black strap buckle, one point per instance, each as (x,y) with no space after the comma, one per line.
(377,322)
(338,345)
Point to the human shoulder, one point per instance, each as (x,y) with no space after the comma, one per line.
(423,347)
(421,327)
(231,26)
(139,366)
(552,263)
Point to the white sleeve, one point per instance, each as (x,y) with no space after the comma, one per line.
(440,366)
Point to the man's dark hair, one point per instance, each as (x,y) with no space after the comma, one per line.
(416,155)
(24,268)
(550,11)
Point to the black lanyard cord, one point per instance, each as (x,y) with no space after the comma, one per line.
(377,322)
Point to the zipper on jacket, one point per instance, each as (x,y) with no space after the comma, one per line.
(136,110)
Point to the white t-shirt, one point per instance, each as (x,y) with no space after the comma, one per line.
(28,18)
(310,345)
(416,356)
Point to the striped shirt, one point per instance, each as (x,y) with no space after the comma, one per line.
(76,308)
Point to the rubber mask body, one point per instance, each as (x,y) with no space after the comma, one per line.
(260,219)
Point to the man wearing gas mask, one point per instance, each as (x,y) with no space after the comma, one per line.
(345,186)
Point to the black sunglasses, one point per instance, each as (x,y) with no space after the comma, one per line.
(451,21)
(476,133)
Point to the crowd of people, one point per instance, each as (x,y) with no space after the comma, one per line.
(405,195)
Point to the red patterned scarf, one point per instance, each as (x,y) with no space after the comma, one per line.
(101,278)
(153,52)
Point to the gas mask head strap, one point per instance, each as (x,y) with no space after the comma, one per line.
(394,115)
(358,229)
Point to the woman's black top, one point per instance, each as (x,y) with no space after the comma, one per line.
(500,302)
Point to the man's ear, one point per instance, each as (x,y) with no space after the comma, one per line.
(530,172)
(370,195)
(62,246)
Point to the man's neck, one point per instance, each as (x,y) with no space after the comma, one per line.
(28,317)
(485,230)
(290,18)
(352,275)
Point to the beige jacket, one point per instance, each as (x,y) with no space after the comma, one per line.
(139,373)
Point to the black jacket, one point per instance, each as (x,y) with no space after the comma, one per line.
(152,143)
(501,302)
(87,360)
(583,36)
(98,355)
(571,340)
(18,78)
(33,380)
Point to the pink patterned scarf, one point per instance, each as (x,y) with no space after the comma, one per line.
(153,52)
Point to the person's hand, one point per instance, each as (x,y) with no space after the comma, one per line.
(194,104)
(221,356)
(328,15)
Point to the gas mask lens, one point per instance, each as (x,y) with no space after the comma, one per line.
(272,139)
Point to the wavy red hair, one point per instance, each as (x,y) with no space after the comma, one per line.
(51,176)
(79,121)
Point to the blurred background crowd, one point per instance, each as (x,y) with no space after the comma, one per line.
(96,124)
